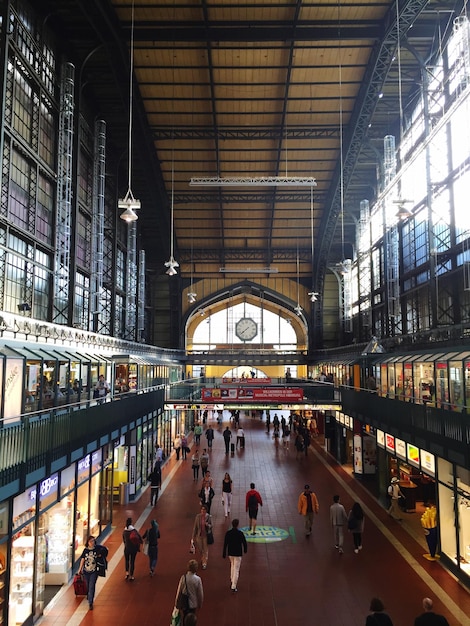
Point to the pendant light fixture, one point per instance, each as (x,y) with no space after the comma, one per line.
(298,308)
(172,264)
(313,294)
(191,294)
(129,204)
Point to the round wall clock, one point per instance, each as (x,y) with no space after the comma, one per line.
(246,329)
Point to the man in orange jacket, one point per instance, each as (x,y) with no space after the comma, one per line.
(308,506)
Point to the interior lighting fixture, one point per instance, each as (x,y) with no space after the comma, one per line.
(129,204)
(191,294)
(172,264)
(298,308)
(254,181)
(313,294)
(403,212)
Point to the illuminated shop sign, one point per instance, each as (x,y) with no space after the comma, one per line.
(412,452)
(390,443)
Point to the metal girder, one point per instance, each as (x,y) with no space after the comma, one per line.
(300,196)
(235,254)
(325,30)
(237,133)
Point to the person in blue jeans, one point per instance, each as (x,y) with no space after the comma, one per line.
(89,566)
(152,535)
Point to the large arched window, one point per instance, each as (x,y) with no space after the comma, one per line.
(244,325)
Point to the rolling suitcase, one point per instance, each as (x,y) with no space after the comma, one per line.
(79,585)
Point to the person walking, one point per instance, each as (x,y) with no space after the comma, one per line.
(204,462)
(152,535)
(378,616)
(252,501)
(227,437)
(191,585)
(241,437)
(395,494)
(177,446)
(207,493)
(307,506)
(234,545)
(201,529)
(356,525)
(184,447)
(209,436)
(197,433)
(132,542)
(429,618)
(338,518)
(91,555)
(195,462)
(227,493)
(155,479)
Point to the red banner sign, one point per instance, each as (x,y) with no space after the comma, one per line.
(272,394)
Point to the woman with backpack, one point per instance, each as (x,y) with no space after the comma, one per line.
(132,542)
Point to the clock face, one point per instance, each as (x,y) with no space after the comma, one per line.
(246,329)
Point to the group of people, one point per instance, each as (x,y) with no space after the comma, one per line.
(307,505)
(378,616)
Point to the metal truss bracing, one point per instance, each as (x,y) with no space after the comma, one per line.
(64,197)
(291,197)
(376,74)
(363,246)
(97,223)
(240,133)
(131,283)
(236,254)
(141,297)
(258,181)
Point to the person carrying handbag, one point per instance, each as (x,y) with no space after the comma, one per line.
(151,537)
(190,593)
(202,532)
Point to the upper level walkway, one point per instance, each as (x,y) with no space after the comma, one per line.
(286,578)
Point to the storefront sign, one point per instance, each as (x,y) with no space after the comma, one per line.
(358,454)
(428,462)
(13,389)
(83,469)
(390,443)
(412,453)
(380,438)
(253,394)
(96,458)
(400,449)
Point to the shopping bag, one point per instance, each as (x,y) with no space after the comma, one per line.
(145,547)
(175,617)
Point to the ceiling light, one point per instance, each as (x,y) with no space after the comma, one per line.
(129,204)
(403,212)
(171,264)
(192,297)
(313,296)
(298,309)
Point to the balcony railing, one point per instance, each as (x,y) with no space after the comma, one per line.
(437,430)
(45,442)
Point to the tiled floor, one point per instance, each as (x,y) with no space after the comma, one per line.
(295,581)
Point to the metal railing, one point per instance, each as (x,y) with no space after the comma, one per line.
(38,442)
